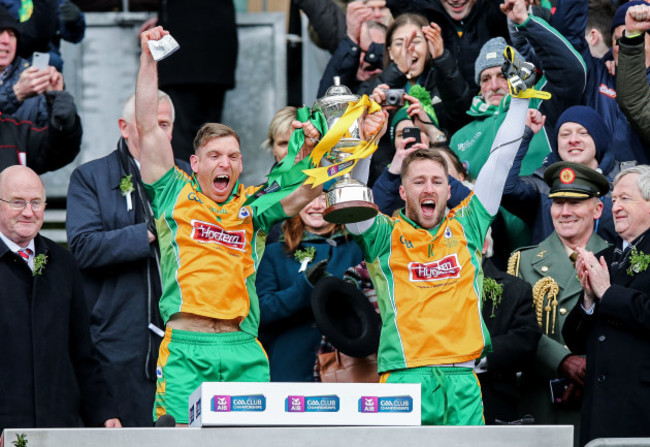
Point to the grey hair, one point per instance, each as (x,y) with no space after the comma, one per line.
(643,181)
(128,111)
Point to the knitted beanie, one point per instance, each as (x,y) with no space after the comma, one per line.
(592,121)
(619,16)
(491,55)
(7,21)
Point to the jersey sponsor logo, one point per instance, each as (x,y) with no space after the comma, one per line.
(447,267)
(388,404)
(604,90)
(301,404)
(212,233)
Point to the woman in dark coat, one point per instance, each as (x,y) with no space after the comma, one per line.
(285,279)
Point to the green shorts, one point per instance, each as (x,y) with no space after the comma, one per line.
(187,359)
(451,395)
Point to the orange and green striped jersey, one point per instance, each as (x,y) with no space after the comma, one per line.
(209,251)
(428,285)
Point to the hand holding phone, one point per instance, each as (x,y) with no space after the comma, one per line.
(411,132)
(40,60)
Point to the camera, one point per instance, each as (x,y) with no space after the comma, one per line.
(394,97)
(374,56)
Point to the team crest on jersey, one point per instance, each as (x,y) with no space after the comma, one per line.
(445,268)
(206,232)
(244,213)
(448,233)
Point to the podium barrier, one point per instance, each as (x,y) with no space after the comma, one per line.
(619,442)
(489,436)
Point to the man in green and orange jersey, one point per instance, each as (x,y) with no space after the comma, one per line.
(211,244)
(426,267)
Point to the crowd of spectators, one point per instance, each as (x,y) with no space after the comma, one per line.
(562,203)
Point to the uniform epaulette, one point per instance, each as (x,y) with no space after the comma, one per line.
(513,263)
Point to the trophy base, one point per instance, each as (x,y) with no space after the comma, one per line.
(350,212)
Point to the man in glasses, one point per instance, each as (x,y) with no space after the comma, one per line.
(52,378)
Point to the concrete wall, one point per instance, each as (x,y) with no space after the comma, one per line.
(100,72)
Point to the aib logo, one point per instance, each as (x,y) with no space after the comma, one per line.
(295,404)
(221,403)
(302,404)
(255,402)
(392,404)
(369,404)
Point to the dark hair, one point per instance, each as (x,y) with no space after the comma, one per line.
(400,21)
(293,230)
(210,131)
(423,154)
(601,13)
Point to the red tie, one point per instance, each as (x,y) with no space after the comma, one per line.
(25,253)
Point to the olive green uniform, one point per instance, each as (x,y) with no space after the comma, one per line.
(548,259)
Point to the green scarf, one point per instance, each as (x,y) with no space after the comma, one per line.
(287,175)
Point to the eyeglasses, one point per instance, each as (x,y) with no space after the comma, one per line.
(20,204)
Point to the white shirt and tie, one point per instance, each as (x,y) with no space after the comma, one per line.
(26,253)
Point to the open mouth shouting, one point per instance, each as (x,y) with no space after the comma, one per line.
(428,207)
(221,182)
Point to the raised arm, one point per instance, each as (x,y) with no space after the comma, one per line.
(156,154)
(492,178)
(632,90)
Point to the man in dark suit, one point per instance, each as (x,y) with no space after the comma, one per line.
(112,234)
(49,376)
(611,322)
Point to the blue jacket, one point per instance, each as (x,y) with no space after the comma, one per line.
(287,327)
(600,93)
(32,109)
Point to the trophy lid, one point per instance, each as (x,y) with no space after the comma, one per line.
(336,94)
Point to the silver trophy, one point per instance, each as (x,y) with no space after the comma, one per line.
(348,200)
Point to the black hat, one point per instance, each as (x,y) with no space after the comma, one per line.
(7,21)
(573,180)
(346,317)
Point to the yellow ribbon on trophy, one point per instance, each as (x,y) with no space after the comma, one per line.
(318,176)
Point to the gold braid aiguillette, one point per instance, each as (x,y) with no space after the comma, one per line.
(543,287)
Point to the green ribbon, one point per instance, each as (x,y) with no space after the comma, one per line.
(287,175)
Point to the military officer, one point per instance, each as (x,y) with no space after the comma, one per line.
(549,267)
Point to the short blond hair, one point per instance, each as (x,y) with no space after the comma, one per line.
(210,131)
